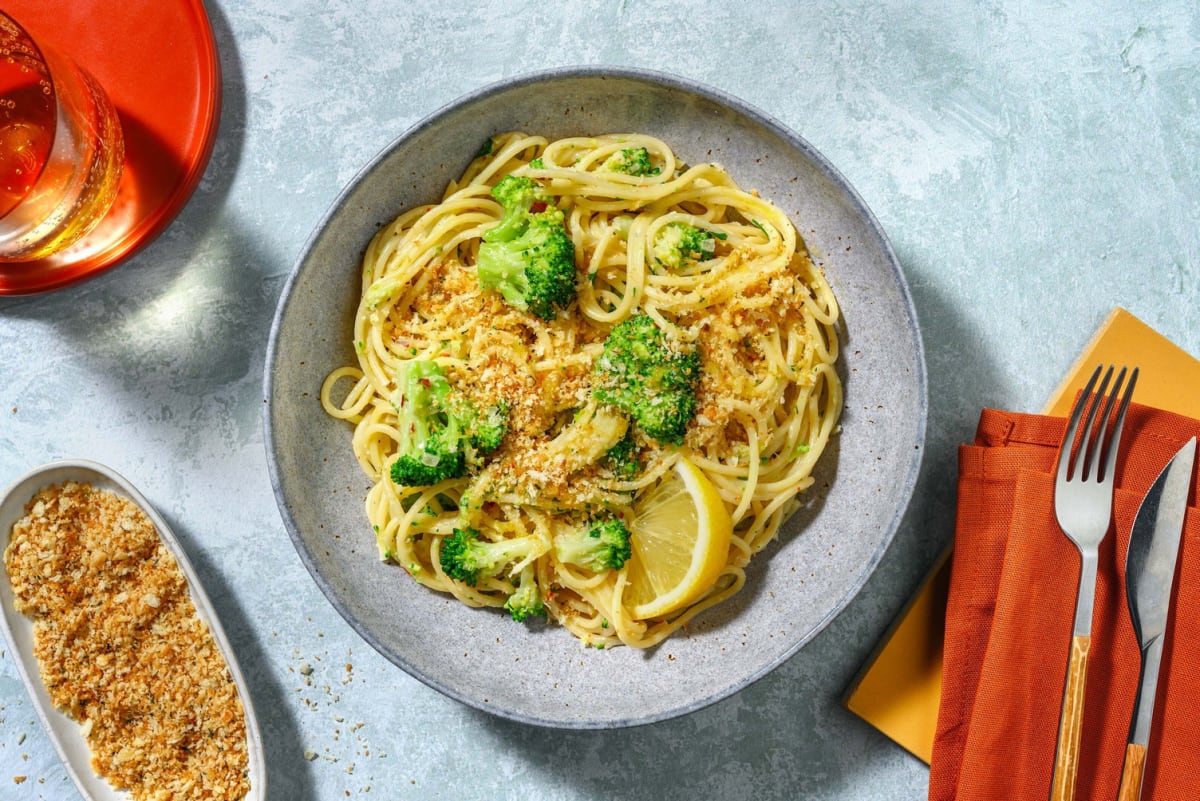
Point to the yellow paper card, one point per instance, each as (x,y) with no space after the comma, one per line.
(899,687)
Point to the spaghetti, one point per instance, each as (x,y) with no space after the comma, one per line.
(754,306)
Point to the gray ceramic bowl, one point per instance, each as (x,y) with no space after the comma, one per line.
(541,674)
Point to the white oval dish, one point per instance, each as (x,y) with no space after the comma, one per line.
(64,732)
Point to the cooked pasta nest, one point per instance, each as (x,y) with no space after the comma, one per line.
(756,308)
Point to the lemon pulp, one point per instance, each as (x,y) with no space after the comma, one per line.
(680,539)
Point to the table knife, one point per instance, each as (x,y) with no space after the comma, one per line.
(1149,579)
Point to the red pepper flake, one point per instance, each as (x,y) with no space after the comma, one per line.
(538,207)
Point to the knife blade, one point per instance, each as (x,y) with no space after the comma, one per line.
(1149,579)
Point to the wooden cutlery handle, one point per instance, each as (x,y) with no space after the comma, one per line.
(1131,773)
(1066,760)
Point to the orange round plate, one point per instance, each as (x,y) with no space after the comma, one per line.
(158,62)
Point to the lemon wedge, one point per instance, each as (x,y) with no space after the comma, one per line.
(680,539)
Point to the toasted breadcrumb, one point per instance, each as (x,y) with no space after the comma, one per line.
(121,649)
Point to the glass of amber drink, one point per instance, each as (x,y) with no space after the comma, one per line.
(61,148)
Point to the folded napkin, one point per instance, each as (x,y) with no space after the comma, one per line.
(1010,615)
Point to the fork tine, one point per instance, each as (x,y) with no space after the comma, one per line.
(1093,434)
(1097,427)
(1114,443)
(1109,401)
(1068,444)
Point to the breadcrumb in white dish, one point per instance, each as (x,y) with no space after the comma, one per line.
(119,648)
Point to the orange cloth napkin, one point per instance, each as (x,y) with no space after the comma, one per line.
(1010,614)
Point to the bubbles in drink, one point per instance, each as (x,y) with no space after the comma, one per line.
(61,149)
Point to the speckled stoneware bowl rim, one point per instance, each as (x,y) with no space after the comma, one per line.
(740,108)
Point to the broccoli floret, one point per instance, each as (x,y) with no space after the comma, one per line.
(538,163)
(518,195)
(443,432)
(623,458)
(528,257)
(535,272)
(526,600)
(631,161)
(467,558)
(642,375)
(601,546)
(489,426)
(676,243)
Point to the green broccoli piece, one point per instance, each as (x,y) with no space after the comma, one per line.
(489,426)
(623,458)
(526,600)
(677,243)
(631,161)
(538,163)
(528,257)
(644,375)
(601,546)
(466,558)
(443,432)
(535,272)
(519,196)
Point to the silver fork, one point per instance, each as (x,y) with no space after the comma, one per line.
(1083,496)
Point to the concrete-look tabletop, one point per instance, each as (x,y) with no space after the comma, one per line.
(1033,165)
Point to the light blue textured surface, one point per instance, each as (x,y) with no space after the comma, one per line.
(1033,165)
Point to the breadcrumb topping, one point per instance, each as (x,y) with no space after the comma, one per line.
(541,370)
(121,649)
